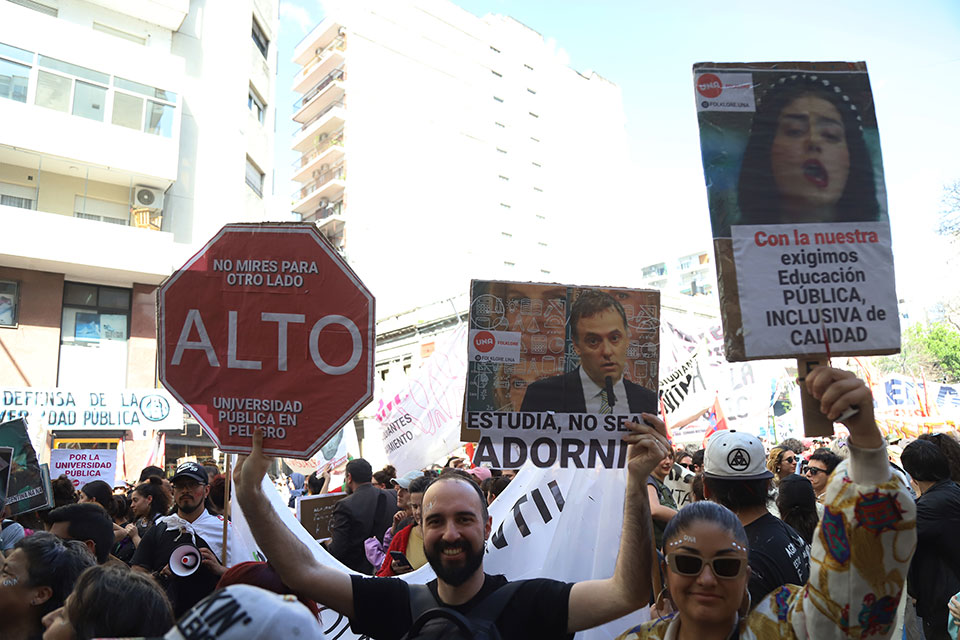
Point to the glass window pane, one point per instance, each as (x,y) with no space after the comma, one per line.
(13,80)
(114,298)
(159,119)
(127,111)
(8,303)
(146,90)
(89,101)
(75,70)
(53,91)
(17,54)
(80,294)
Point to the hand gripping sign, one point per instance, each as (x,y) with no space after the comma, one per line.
(266,326)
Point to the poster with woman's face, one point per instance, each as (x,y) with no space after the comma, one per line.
(798,208)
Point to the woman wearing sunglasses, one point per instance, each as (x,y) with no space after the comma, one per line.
(861,552)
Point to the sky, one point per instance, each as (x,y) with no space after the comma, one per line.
(647,48)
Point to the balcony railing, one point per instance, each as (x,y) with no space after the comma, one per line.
(322,213)
(336,173)
(329,107)
(339,44)
(336,74)
(335,140)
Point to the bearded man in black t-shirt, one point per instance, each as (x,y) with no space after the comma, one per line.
(735,476)
(455,529)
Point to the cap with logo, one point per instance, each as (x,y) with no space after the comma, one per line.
(404,481)
(735,455)
(241,612)
(191,470)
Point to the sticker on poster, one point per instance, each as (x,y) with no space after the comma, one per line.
(587,363)
(798,207)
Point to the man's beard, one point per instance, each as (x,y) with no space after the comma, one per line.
(453,576)
(188,510)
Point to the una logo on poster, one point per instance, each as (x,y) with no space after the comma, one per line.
(495,346)
(709,85)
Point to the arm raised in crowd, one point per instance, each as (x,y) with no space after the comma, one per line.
(596,602)
(295,563)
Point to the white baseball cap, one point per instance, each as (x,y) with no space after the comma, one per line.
(735,455)
(245,612)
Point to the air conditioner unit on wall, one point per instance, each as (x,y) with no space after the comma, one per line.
(147,197)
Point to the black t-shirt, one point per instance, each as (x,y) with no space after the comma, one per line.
(778,556)
(154,552)
(537,610)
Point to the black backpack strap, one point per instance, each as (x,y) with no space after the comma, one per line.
(492,606)
(421,600)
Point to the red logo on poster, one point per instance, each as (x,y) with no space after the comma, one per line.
(709,85)
(484,342)
(267,327)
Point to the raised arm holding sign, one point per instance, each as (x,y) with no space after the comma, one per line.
(455,530)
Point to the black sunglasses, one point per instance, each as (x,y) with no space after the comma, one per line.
(686,564)
(812,471)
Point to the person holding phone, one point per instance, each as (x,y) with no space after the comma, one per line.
(406,549)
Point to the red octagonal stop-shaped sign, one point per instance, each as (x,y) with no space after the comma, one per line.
(267,326)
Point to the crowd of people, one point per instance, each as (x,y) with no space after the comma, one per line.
(853,538)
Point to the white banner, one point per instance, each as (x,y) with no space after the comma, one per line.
(84,465)
(549,523)
(112,410)
(421,421)
(686,390)
(805,286)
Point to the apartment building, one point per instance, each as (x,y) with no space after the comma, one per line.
(436,146)
(134,131)
(689,275)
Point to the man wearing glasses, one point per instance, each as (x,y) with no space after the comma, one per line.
(818,470)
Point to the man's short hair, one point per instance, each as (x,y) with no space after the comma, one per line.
(151,471)
(697,457)
(924,461)
(737,494)
(465,479)
(591,302)
(86,521)
(829,459)
(360,470)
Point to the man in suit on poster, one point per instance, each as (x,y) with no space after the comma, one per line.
(598,327)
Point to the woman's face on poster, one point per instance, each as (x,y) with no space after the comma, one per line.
(809,157)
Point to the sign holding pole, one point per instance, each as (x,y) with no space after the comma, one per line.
(266,326)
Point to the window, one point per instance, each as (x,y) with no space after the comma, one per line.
(53,91)
(529,90)
(259,38)
(88,101)
(505,205)
(533,114)
(528,67)
(254,177)
(14,77)
(129,111)
(37,6)
(506,235)
(117,33)
(9,302)
(536,164)
(94,329)
(256,105)
(499,75)
(101,210)
(498,99)
(535,139)
(540,217)
(508,264)
(501,150)
(15,195)
(93,313)
(494,49)
(505,178)
(501,125)
(542,244)
(538,189)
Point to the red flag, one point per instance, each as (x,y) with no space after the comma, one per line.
(717,420)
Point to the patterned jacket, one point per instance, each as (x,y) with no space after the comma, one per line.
(861,551)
